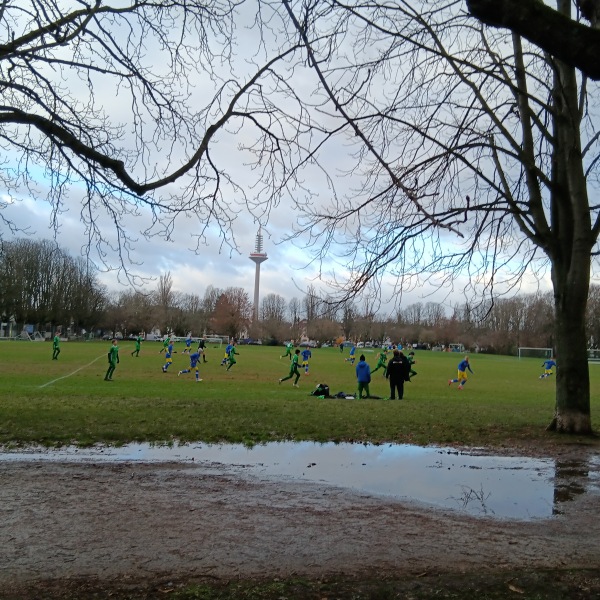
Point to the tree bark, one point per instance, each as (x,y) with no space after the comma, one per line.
(570,254)
(562,37)
(572,412)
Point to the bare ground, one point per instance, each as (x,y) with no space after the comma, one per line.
(102,526)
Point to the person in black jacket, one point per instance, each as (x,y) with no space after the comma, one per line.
(397,372)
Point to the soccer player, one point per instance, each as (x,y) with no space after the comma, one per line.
(412,361)
(168,357)
(381,361)
(288,349)
(226,357)
(55,347)
(306,356)
(548,366)
(202,349)
(188,343)
(232,353)
(363,376)
(166,343)
(113,360)
(461,378)
(293,369)
(351,358)
(194,366)
(138,345)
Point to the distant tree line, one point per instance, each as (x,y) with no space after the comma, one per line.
(44,286)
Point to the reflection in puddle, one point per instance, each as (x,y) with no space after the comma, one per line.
(495,486)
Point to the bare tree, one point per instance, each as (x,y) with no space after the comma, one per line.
(119,106)
(41,283)
(479,156)
(273,311)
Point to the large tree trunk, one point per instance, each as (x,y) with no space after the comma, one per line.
(570,253)
(572,414)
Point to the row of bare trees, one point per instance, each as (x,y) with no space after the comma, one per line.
(42,284)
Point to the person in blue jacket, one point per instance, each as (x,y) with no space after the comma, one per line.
(363,376)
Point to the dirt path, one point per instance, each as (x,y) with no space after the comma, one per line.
(144,522)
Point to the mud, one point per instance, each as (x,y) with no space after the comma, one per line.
(187,522)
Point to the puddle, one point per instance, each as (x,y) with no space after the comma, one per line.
(494,486)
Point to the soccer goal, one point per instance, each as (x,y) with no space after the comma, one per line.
(535,352)
(216,340)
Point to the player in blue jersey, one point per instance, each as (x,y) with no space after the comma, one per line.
(225,359)
(461,378)
(194,366)
(351,358)
(168,357)
(548,365)
(306,356)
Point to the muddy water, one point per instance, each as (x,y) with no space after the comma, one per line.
(494,486)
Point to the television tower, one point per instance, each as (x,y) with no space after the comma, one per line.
(258,257)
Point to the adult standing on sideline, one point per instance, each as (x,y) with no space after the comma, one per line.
(55,347)
(461,378)
(397,372)
(113,360)
(293,369)
(363,376)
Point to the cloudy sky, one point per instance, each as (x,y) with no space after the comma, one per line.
(288,270)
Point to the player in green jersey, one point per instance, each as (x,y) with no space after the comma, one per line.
(381,362)
(231,358)
(288,350)
(293,369)
(55,347)
(138,345)
(113,360)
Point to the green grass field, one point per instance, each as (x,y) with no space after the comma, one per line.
(68,402)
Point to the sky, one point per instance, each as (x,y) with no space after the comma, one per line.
(288,271)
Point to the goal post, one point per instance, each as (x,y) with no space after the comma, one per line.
(525,352)
(216,340)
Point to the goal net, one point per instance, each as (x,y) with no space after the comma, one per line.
(535,352)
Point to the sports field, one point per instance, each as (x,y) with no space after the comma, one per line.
(67,401)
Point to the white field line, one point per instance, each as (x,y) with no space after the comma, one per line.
(73,373)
